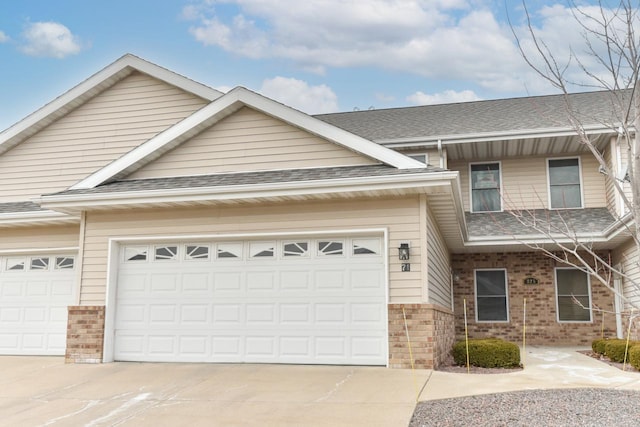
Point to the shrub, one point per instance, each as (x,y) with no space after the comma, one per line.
(598,346)
(634,356)
(487,353)
(615,349)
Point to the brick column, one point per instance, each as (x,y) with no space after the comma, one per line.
(85,334)
(431,330)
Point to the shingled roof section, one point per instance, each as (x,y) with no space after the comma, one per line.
(501,115)
(488,224)
(19,207)
(251,178)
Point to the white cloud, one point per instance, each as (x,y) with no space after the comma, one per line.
(3,37)
(439,39)
(50,39)
(300,95)
(446,97)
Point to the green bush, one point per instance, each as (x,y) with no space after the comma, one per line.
(487,353)
(615,349)
(598,346)
(634,356)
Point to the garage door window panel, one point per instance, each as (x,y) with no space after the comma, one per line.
(136,253)
(39,263)
(366,246)
(261,250)
(166,253)
(196,253)
(229,251)
(15,264)
(295,249)
(64,263)
(330,247)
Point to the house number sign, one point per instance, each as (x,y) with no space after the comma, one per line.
(530,281)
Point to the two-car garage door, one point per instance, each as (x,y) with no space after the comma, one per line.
(300,300)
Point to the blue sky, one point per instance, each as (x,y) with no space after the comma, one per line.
(315,55)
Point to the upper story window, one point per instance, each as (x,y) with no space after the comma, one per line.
(485,187)
(564,183)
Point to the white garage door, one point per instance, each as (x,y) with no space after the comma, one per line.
(315,301)
(35,292)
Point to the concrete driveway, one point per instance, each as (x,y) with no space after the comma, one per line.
(43,391)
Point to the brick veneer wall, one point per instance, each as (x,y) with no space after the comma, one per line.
(431,331)
(85,334)
(542,326)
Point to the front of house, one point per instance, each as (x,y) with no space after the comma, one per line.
(146,217)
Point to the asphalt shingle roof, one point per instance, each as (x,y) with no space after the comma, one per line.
(250,178)
(501,115)
(19,207)
(487,224)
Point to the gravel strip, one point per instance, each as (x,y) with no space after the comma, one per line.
(549,408)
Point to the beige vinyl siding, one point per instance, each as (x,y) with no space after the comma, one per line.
(249,140)
(400,216)
(525,185)
(35,238)
(627,256)
(439,266)
(611,159)
(93,135)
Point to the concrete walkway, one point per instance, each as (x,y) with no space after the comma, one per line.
(545,368)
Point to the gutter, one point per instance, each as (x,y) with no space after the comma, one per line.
(249,191)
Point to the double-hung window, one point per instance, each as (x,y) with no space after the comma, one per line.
(485,187)
(492,303)
(573,295)
(564,183)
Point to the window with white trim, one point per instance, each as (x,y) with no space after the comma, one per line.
(573,295)
(564,183)
(422,157)
(485,187)
(492,302)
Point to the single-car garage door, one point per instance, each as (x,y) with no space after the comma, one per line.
(35,292)
(315,301)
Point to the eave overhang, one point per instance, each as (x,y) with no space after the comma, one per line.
(73,202)
(36,218)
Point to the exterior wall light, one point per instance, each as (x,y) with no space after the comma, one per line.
(403,252)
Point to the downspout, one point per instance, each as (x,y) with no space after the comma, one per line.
(440,153)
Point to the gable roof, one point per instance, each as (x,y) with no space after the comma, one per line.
(90,87)
(225,106)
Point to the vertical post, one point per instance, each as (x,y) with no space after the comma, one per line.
(466,333)
(524,332)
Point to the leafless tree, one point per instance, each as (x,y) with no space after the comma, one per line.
(609,60)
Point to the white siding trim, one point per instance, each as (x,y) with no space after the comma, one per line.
(54,250)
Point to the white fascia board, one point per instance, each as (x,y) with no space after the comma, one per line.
(16,218)
(244,192)
(171,77)
(233,100)
(127,61)
(491,136)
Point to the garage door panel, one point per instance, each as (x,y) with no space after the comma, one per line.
(35,292)
(278,301)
